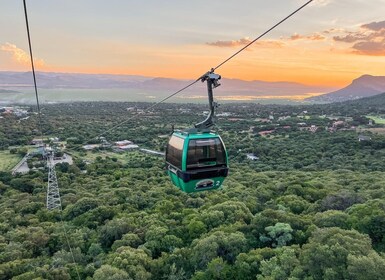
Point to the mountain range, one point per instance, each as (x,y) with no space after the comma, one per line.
(231,89)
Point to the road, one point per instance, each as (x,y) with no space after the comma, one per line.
(22,166)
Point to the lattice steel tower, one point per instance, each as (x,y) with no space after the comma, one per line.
(53,195)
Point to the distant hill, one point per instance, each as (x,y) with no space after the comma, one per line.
(364,106)
(69,80)
(8,91)
(231,87)
(372,103)
(361,87)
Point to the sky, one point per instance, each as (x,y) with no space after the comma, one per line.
(329,43)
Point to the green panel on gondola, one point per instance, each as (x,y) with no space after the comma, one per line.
(196,185)
(196,161)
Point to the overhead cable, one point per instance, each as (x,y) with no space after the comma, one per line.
(263,34)
(198,79)
(33,72)
(41,127)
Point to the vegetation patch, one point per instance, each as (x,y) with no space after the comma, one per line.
(309,204)
(377,119)
(8,160)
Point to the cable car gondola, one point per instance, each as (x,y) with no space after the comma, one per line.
(196,158)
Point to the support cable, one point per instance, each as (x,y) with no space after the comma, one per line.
(33,74)
(68,243)
(54,201)
(212,70)
(145,110)
(263,34)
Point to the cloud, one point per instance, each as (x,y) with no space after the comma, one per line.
(375,26)
(333,30)
(232,43)
(370,48)
(322,3)
(313,37)
(350,38)
(20,56)
(244,41)
(270,44)
(368,40)
(266,43)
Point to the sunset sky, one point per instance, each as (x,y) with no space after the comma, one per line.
(328,43)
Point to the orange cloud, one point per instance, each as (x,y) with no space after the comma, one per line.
(270,43)
(313,37)
(370,48)
(20,56)
(232,43)
(351,37)
(244,41)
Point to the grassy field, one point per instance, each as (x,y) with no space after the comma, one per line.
(8,160)
(377,119)
(377,130)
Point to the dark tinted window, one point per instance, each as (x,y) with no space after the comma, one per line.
(205,153)
(174,151)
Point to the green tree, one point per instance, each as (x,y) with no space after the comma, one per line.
(327,253)
(248,264)
(110,272)
(332,218)
(217,244)
(369,218)
(217,269)
(278,235)
(81,206)
(136,262)
(367,267)
(281,266)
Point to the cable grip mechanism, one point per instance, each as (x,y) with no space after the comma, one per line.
(212,81)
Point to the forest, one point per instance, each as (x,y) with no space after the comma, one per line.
(311,206)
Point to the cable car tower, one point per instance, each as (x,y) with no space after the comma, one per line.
(53,194)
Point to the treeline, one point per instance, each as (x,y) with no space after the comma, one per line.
(81,122)
(131,223)
(309,151)
(311,207)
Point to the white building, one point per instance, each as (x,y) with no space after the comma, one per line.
(128,147)
(252,157)
(123,143)
(91,147)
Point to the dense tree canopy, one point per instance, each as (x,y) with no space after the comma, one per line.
(311,207)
